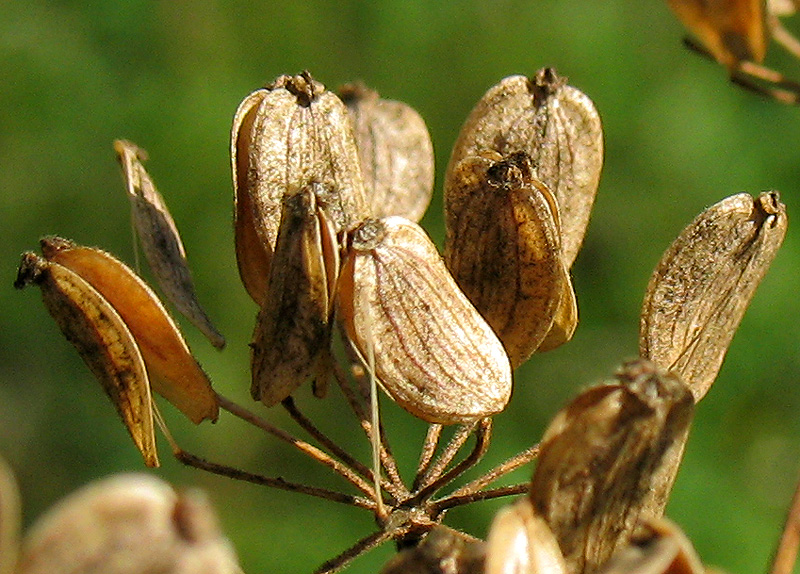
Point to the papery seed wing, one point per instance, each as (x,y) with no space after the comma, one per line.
(503,248)
(558,127)
(704,282)
(630,433)
(102,339)
(173,371)
(566,317)
(161,241)
(434,353)
(396,153)
(284,137)
(291,341)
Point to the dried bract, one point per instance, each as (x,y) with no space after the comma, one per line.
(503,247)
(292,336)
(628,433)
(434,353)
(160,240)
(704,282)
(442,551)
(128,524)
(558,127)
(103,340)
(395,150)
(286,136)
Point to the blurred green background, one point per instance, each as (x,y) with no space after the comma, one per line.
(169,76)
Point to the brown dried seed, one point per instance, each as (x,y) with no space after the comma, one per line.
(395,150)
(128,524)
(704,282)
(284,137)
(434,354)
(102,339)
(520,542)
(558,127)
(171,368)
(442,551)
(161,241)
(291,341)
(503,247)
(628,433)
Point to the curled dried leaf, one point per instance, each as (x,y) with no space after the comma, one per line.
(629,433)
(503,247)
(161,241)
(395,150)
(284,137)
(704,282)
(128,524)
(558,127)
(434,354)
(103,341)
(291,341)
(442,551)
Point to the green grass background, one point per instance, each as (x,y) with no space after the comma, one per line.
(169,76)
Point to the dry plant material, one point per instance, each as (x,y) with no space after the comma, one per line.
(520,542)
(395,150)
(161,241)
(736,34)
(292,337)
(10,509)
(704,282)
(434,354)
(442,551)
(627,433)
(128,524)
(284,137)
(102,339)
(558,127)
(503,248)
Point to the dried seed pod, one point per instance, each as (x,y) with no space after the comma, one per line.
(629,433)
(704,282)
(558,127)
(395,150)
(442,551)
(284,137)
(128,524)
(291,341)
(161,241)
(103,340)
(520,542)
(10,513)
(503,247)
(171,368)
(434,354)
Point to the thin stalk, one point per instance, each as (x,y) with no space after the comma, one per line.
(453,500)
(499,471)
(364,545)
(786,552)
(426,454)
(434,471)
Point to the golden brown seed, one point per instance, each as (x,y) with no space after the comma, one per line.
(171,368)
(102,339)
(558,127)
(161,241)
(606,461)
(503,247)
(291,341)
(704,282)
(395,150)
(442,551)
(284,137)
(434,353)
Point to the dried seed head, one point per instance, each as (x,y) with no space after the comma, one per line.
(434,353)
(285,137)
(128,524)
(558,127)
(292,335)
(442,551)
(102,339)
(520,542)
(395,150)
(704,282)
(503,247)
(629,433)
(172,370)
(161,241)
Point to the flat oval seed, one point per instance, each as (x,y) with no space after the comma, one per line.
(434,354)
(704,282)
